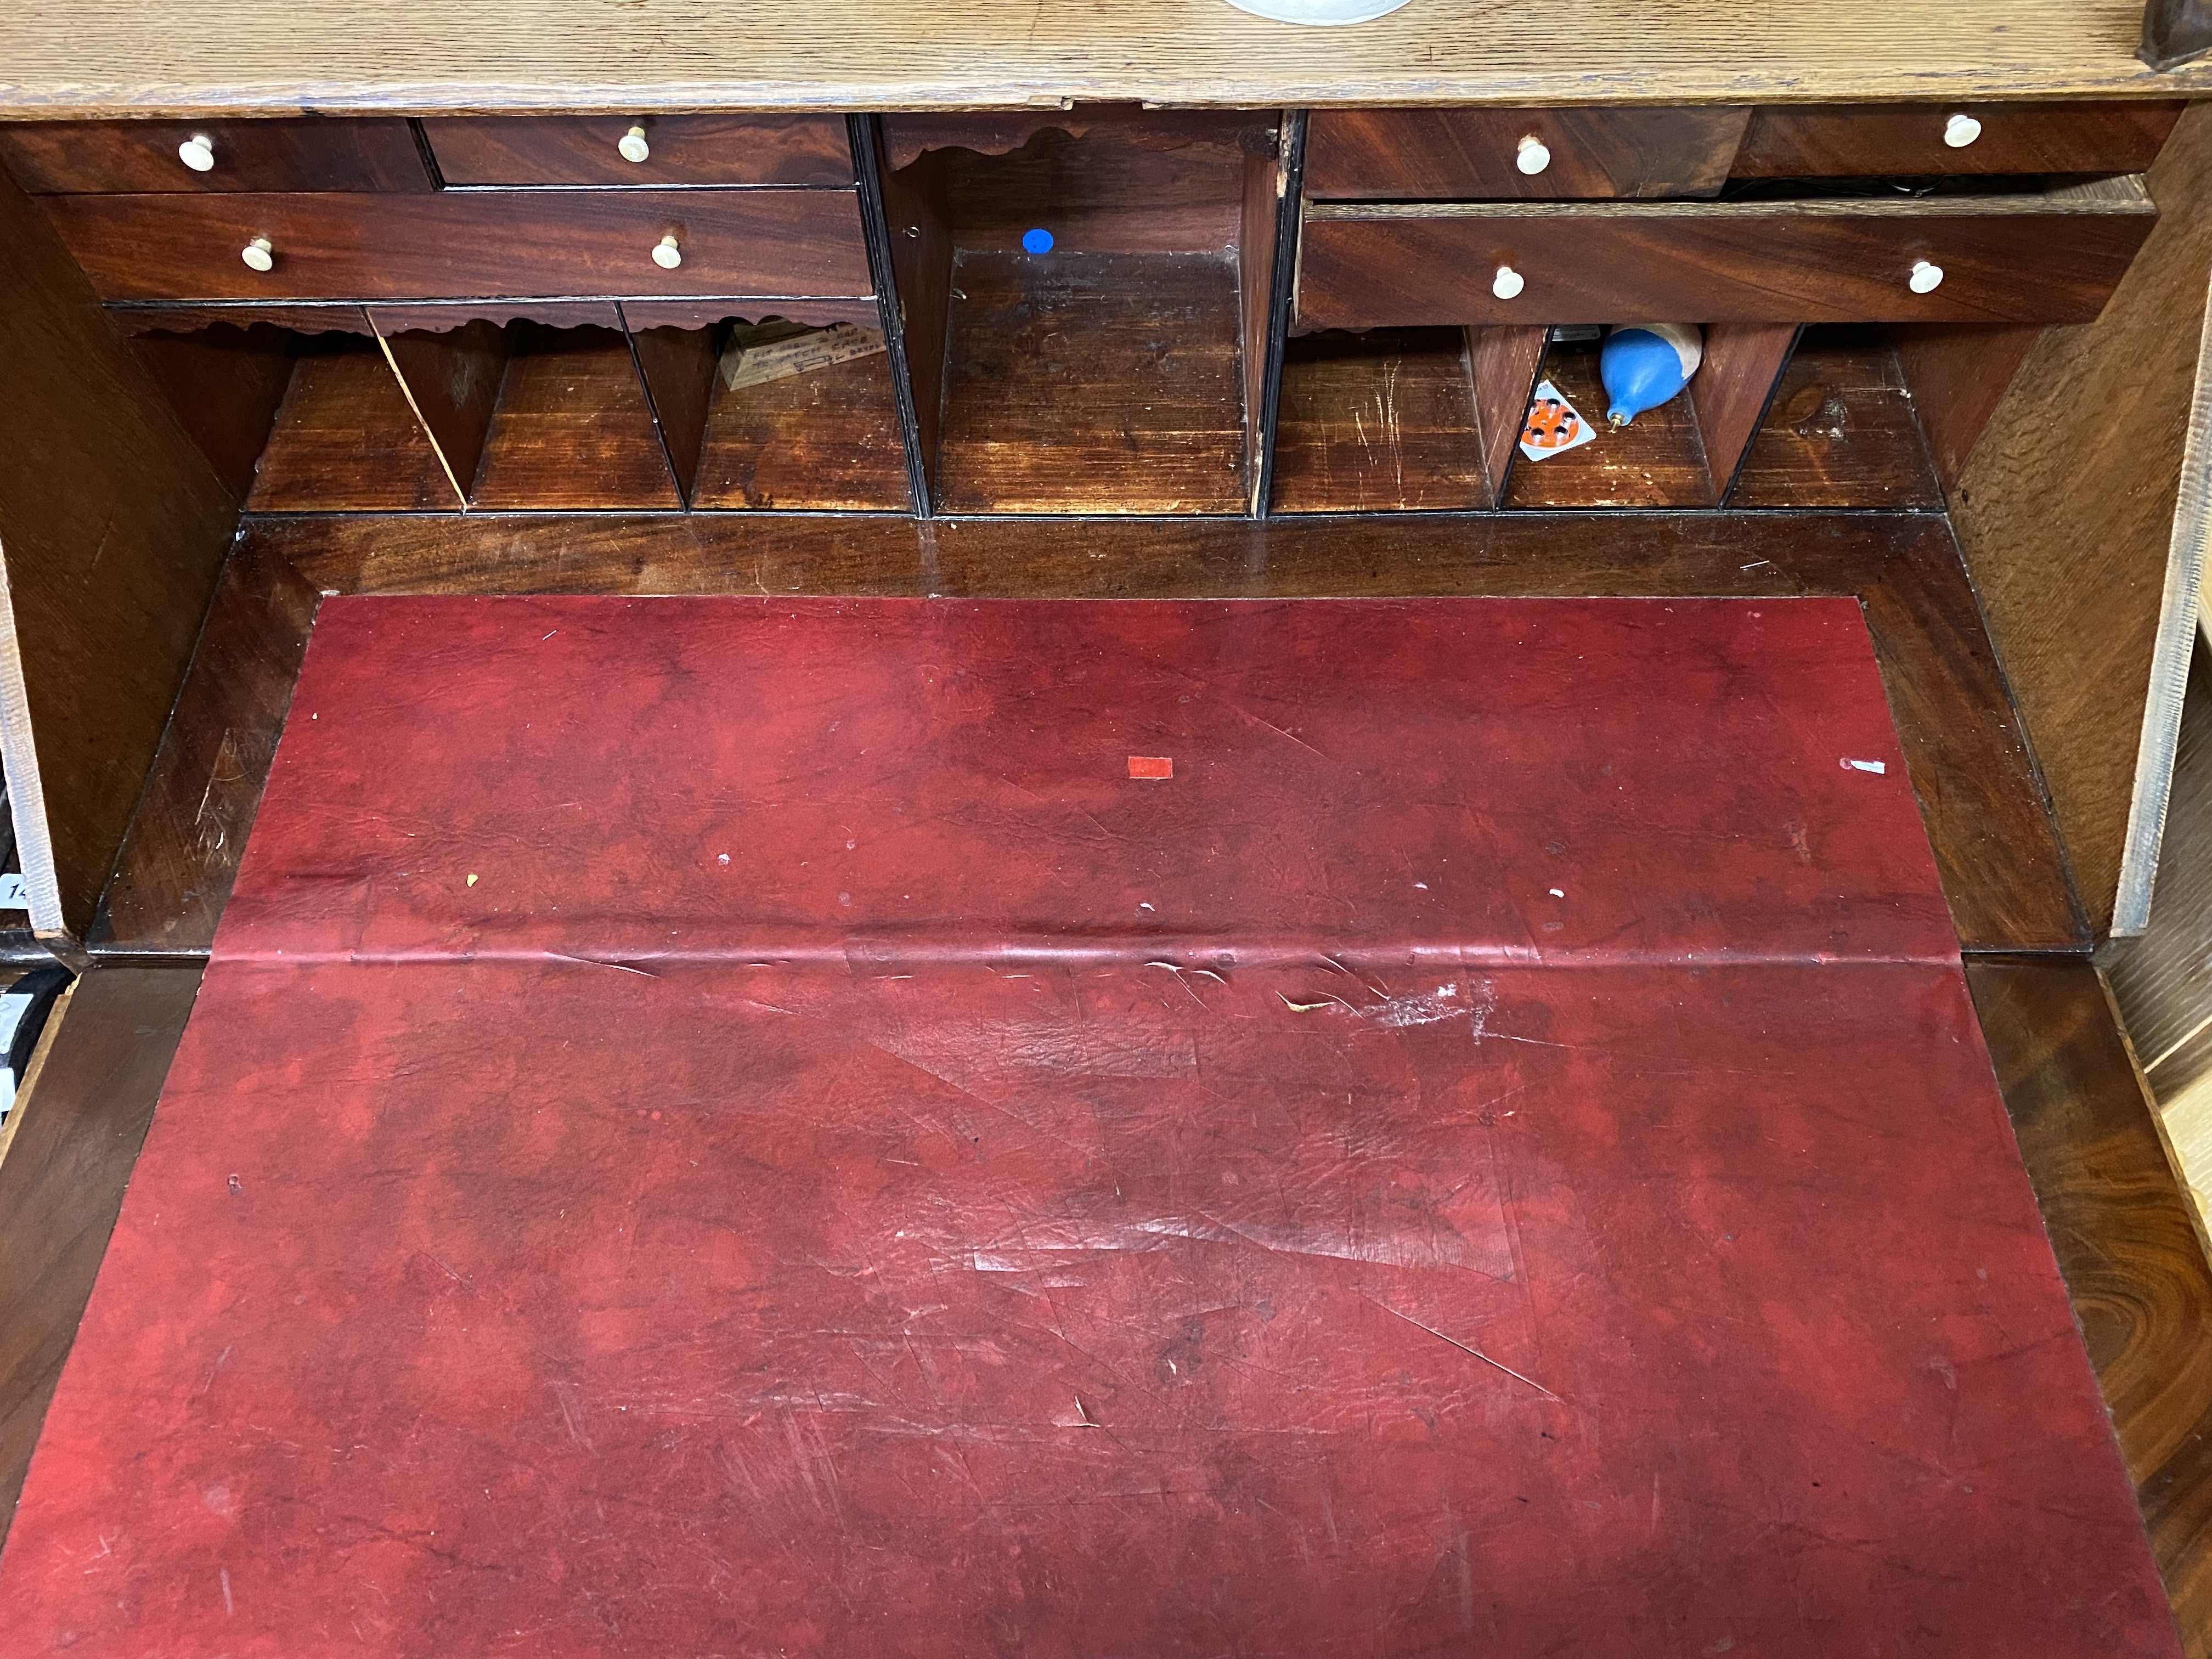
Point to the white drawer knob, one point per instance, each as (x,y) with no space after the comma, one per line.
(197,153)
(1926,278)
(1532,157)
(633,145)
(1508,283)
(666,254)
(1961,130)
(259,254)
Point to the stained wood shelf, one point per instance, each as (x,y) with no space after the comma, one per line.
(1391,421)
(1092,383)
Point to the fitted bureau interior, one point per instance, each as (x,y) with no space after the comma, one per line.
(1096,311)
(1087,302)
(578,406)
(1106,309)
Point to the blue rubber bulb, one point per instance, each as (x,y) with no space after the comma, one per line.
(1641,370)
(1036,241)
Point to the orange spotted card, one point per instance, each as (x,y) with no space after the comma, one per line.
(1555,425)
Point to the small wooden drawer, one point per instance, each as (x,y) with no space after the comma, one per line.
(1873,140)
(2048,258)
(472,244)
(67,158)
(1462,154)
(668,149)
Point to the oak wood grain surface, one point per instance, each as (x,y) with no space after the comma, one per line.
(62,1182)
(479,244)
(2066,512)
(186,838)
(2134,1264)
(374,154)
(88,56)
(2053,257)
(1980,799)
(1386,154)
(1799,142)
(681,149)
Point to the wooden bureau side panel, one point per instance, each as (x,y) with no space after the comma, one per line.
(174,874)
(1811,141)
(483,244)
(2067,512)
(113,527)
(307,153)
(62,1182)
(1405,268)
(2120,1225)
(682,149)
(1408,154)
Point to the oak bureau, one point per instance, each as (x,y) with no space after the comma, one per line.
(495,299)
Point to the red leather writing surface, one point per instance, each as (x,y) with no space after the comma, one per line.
(1403,1277)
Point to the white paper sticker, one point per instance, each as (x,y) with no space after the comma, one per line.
(13,894)
(744,365)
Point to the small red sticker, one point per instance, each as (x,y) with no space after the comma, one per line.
(1151,766)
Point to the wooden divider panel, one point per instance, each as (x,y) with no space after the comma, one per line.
(1743,363)
(112,529)
(1503,362)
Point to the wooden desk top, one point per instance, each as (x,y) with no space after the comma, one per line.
(107,58)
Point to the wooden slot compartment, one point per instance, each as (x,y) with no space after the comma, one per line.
(345,441)
(1685,453)
(572,428)
(1113,373)
(297,408)
(1401,419)
(1841,430)
(767,413)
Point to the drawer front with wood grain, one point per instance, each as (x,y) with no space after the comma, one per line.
(1537,154)
(1818,141)
(657,149)
(2043,258)
(374,153)
(487,244)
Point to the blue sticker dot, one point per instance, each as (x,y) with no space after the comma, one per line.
(1036,241)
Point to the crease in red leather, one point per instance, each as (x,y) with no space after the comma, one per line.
(1364,1274)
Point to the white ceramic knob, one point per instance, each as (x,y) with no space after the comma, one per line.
(1508,283)
(633,145)
(259,254)
(1926,278)
(1961,130)
(666,254)
(1532,157)
(197,153)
